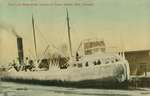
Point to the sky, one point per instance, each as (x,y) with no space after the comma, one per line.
(121,23)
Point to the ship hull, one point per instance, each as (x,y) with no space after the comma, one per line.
(104,76)
(105,83)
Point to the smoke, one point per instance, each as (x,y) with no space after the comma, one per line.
(9,28)
(14,32)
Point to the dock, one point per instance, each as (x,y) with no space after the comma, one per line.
(139,81)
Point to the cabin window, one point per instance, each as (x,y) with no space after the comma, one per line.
(86,64)
(116,60)
(98,62)
(79,65)
(94,62)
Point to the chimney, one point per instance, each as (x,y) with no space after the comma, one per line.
(20,50)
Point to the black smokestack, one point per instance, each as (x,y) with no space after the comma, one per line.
(20,50)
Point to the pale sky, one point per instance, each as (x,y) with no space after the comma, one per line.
(115,21)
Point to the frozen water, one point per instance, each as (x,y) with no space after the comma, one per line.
(13,89)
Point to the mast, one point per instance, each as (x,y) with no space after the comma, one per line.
(35,46)
(69,37)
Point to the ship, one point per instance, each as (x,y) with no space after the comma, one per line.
(95,69)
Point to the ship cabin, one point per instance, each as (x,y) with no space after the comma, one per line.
(95,60)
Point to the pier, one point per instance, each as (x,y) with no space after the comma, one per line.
(139,81)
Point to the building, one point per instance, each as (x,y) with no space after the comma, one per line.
(139,61)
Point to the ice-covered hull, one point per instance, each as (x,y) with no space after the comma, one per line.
(101,76)
(109,83)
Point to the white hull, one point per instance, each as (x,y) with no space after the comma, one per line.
(118,72)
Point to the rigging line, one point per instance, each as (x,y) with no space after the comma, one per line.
(44,52)
(44,39)
(47,40)
(79,46)
(40,33)
(30,54)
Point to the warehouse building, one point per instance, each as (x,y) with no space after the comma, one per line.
(139,61)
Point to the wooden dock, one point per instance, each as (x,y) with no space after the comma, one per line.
(139,81)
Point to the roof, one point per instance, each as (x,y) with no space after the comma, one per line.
(135,51)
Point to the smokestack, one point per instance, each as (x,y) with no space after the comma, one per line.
(20,50)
